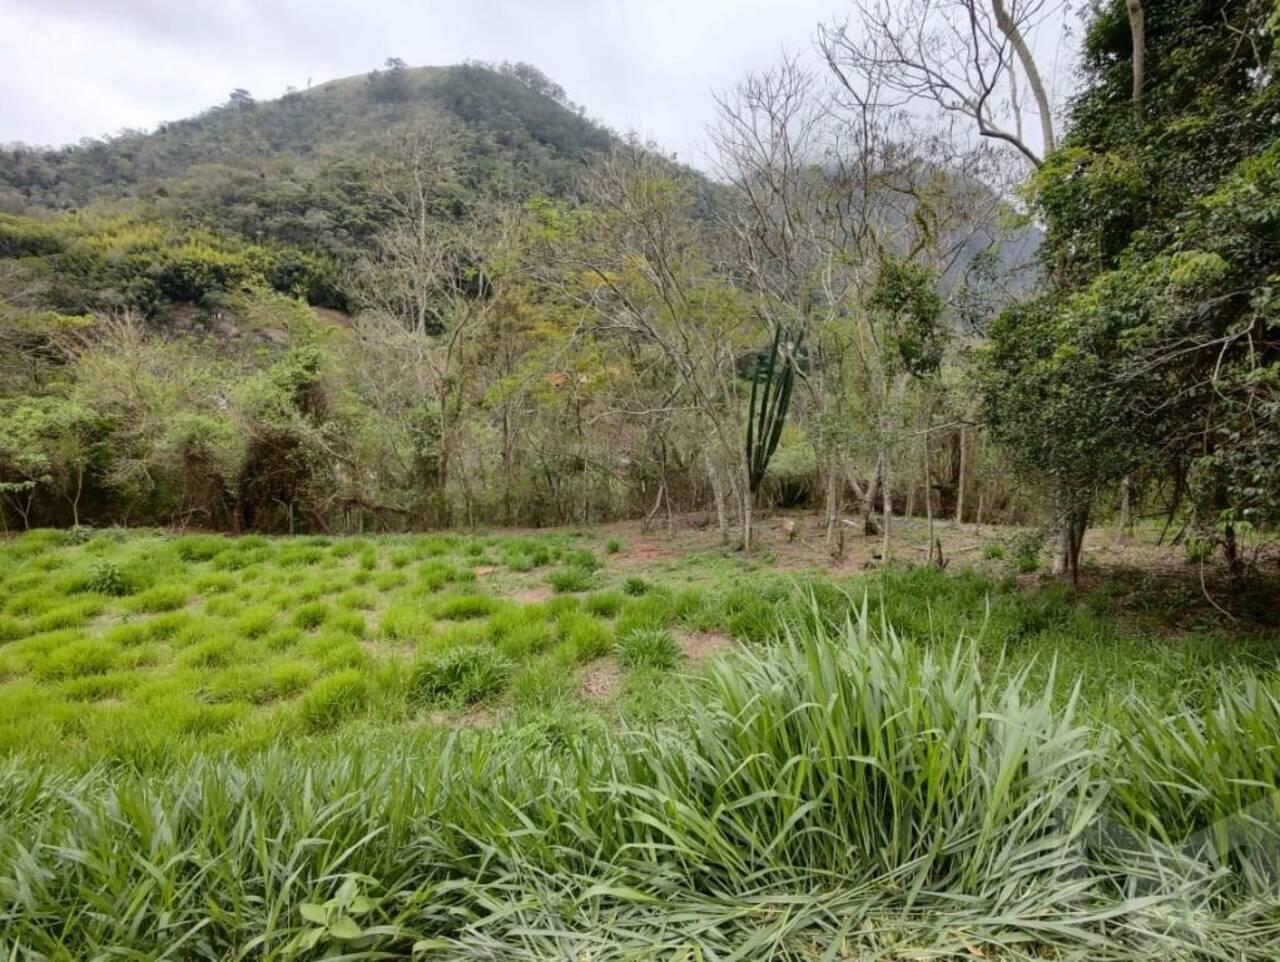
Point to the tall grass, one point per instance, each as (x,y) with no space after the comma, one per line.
(841,795)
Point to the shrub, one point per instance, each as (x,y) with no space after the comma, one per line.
(348,623)
(405,621)
(613,546)
(606,604)
(464,676)
(635,587)
(160,598)
(105,578)
(648,648)
(310,616)
(200,547)
(11,629)
(570,579)
(1024,550)
(333,699)
(356,600)
(462,607)
(256,621)
(524,639)
(1197,550)
(584,637)
(993,551)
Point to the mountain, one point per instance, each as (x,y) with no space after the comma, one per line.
(512,119)
(281,193)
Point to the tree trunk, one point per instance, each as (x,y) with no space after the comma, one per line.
(1231,554)
(928,491)
(960,479)
(834,499)
(887,522)
(1138,32)
(1010,29)
(1123,532)
(1075,521)
(869,499)
(717,494)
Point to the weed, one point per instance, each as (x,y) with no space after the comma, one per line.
(461,607)
(635,586)
(571,579)
(605,604)
(583,635)
(333,699)
(310,616)
(465,675)
(168,597)
(648,648)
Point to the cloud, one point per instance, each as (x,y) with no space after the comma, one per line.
(76,68)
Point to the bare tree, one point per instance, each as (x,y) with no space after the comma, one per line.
(951,54)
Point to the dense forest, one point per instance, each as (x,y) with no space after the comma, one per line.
(434,296)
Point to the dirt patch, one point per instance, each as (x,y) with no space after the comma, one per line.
(531,596)
(483,571)
(383,651)
(601,679)
(472,718)
(700,645)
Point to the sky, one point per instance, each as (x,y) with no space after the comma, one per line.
(85,68)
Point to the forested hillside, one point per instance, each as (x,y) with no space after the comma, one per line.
(287,674)
(425,296)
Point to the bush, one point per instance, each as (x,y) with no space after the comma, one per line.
(333,699)
(310,616)
(200,547)
(635,587)
(606,604)
(256,621)
(571,579)
(465,676)
(648,648)
(613,546)
(160,598)
(583,637)
(105,578)
(463,607)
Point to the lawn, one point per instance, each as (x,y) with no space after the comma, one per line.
(574,745)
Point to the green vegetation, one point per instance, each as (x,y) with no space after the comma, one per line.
(1041,839)
(819,716)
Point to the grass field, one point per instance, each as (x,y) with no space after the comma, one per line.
(576,746)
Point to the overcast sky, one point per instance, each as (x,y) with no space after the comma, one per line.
(77,68)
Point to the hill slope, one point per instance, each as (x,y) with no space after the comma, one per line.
(512,120)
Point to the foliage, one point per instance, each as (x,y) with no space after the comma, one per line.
(836,755)
(1152,351)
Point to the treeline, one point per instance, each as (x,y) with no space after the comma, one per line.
(837,322)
